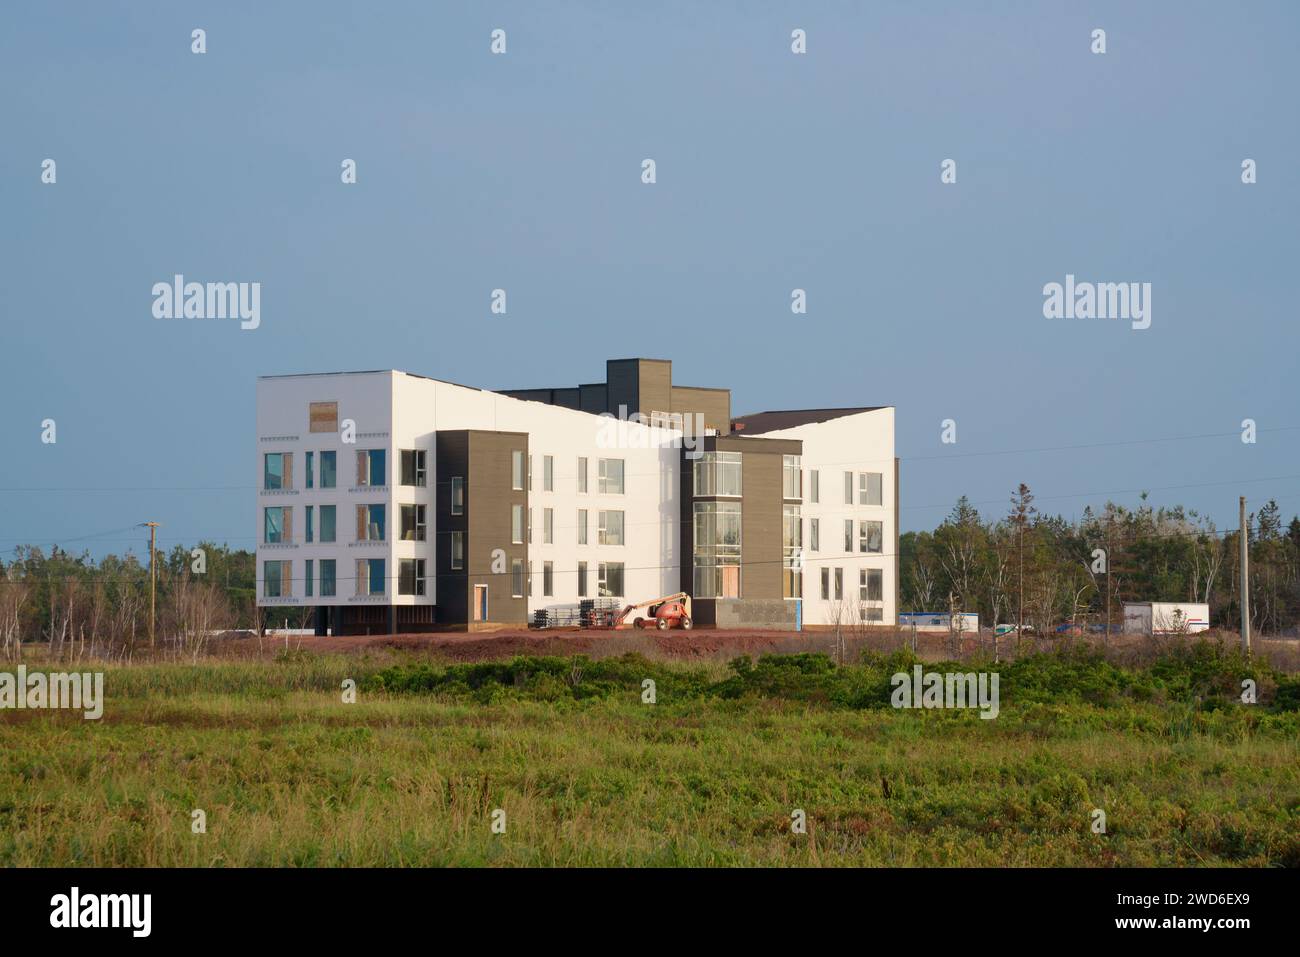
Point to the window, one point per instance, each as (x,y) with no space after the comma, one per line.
(792,553)
(826,584)
(548,578)
(309,458)
(410,576)
(611,477)
(517,470)
(328,469)
(310,579)
(548,473)
(848,534)
(814,534)
(516,524)
(814,486)
(610,528)
(582,579)
(413,523)
(276,525)
(516,579)
(370,523)
(871,537)
(548,526)
(582,474)
(457,550)
(848,488)
(371,467)
(277,470)
(609,579)
(530,525)
(327,515)
(530,579)
(275,579)
(839,584)
(717,550)
(871,613)
(327,577)
(791,477)
(307,530)
(869,488)
(458,495)
(323,416)
(871,584)
(413,472)
(582,526)
(717,473)
(370,576)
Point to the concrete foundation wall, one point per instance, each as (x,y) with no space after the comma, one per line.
(754,613)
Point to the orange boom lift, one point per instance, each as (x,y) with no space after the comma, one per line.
(671,611)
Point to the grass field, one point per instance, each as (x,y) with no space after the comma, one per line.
(588,774)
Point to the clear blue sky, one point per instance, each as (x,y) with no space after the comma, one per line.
(775,171)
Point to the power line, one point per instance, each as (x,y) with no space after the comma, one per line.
(181,540)
(1135,491)
(817,559)
(1096,445)
(854,462)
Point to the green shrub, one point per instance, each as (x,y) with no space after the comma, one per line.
(1201,677)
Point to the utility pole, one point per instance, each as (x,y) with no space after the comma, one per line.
(1245,578)
(1020,581)
(153,577)
(1105,635)
(956,625)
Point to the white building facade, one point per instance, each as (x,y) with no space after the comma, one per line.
(849,510)
(391,502)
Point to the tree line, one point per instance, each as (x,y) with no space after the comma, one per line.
(81,606)
(1027,567)
(1023,567)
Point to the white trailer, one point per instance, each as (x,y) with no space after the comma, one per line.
(963,621)
(1166,617)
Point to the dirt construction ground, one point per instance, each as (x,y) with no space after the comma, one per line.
(506,643)
(721,645)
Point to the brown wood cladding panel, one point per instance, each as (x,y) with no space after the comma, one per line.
(488,501)
(760,525)
(323,417)
(713,404)
(655,386)
(453,591)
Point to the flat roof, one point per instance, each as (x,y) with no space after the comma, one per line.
(303,375)
(777,419)
(413,375)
